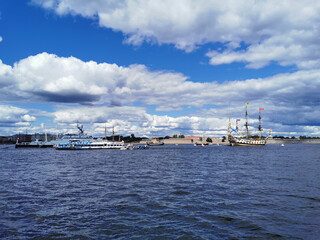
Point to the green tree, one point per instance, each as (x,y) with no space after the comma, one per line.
(181,136)
(209,140)
(175,136)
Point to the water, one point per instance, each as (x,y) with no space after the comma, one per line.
(166,192)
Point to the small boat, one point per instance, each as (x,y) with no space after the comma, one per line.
(155,142)
(137,147)
(201,144)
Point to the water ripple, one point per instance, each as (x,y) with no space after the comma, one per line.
(168,192)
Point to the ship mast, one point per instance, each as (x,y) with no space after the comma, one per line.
(45,134)
(229,126)
(105,132)
(113,134)
(246,124)
(260,128)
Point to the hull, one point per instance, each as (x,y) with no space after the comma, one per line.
(200,144)
(155,143)
(28,145)
(90,145)
(247,142)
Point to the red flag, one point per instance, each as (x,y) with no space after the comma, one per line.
(260,109)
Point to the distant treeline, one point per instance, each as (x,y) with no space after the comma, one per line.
(126,139)
(293,137)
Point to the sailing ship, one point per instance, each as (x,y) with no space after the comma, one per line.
(246,140)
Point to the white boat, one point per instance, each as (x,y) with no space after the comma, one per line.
(90,145)
(81,136)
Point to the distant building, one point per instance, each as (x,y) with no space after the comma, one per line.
(193,137)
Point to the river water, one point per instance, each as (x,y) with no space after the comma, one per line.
(165,192)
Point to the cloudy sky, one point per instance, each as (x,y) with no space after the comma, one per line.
(159,67)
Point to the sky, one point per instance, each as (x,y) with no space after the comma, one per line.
(159,68)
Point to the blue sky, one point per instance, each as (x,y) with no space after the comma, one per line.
(158,67)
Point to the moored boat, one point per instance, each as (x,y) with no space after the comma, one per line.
(35,144)
(155,142)
(81,136)
(90,145)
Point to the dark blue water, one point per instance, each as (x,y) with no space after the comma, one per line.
(166,192)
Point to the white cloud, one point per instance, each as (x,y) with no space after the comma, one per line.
(212,122)
(284,32)
(10,115)
(46,77)
(127,120)
(1,39)
(5,74)
(49,78)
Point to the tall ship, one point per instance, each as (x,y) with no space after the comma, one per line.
(236,138)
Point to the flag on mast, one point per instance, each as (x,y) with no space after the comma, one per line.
(260,109)
(247,103)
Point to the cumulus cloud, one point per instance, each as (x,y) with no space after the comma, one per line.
(11,116)
(1,39)
(270,31)
(127,120)
(291,98)
(99,114)
(212,122)
(47,77)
